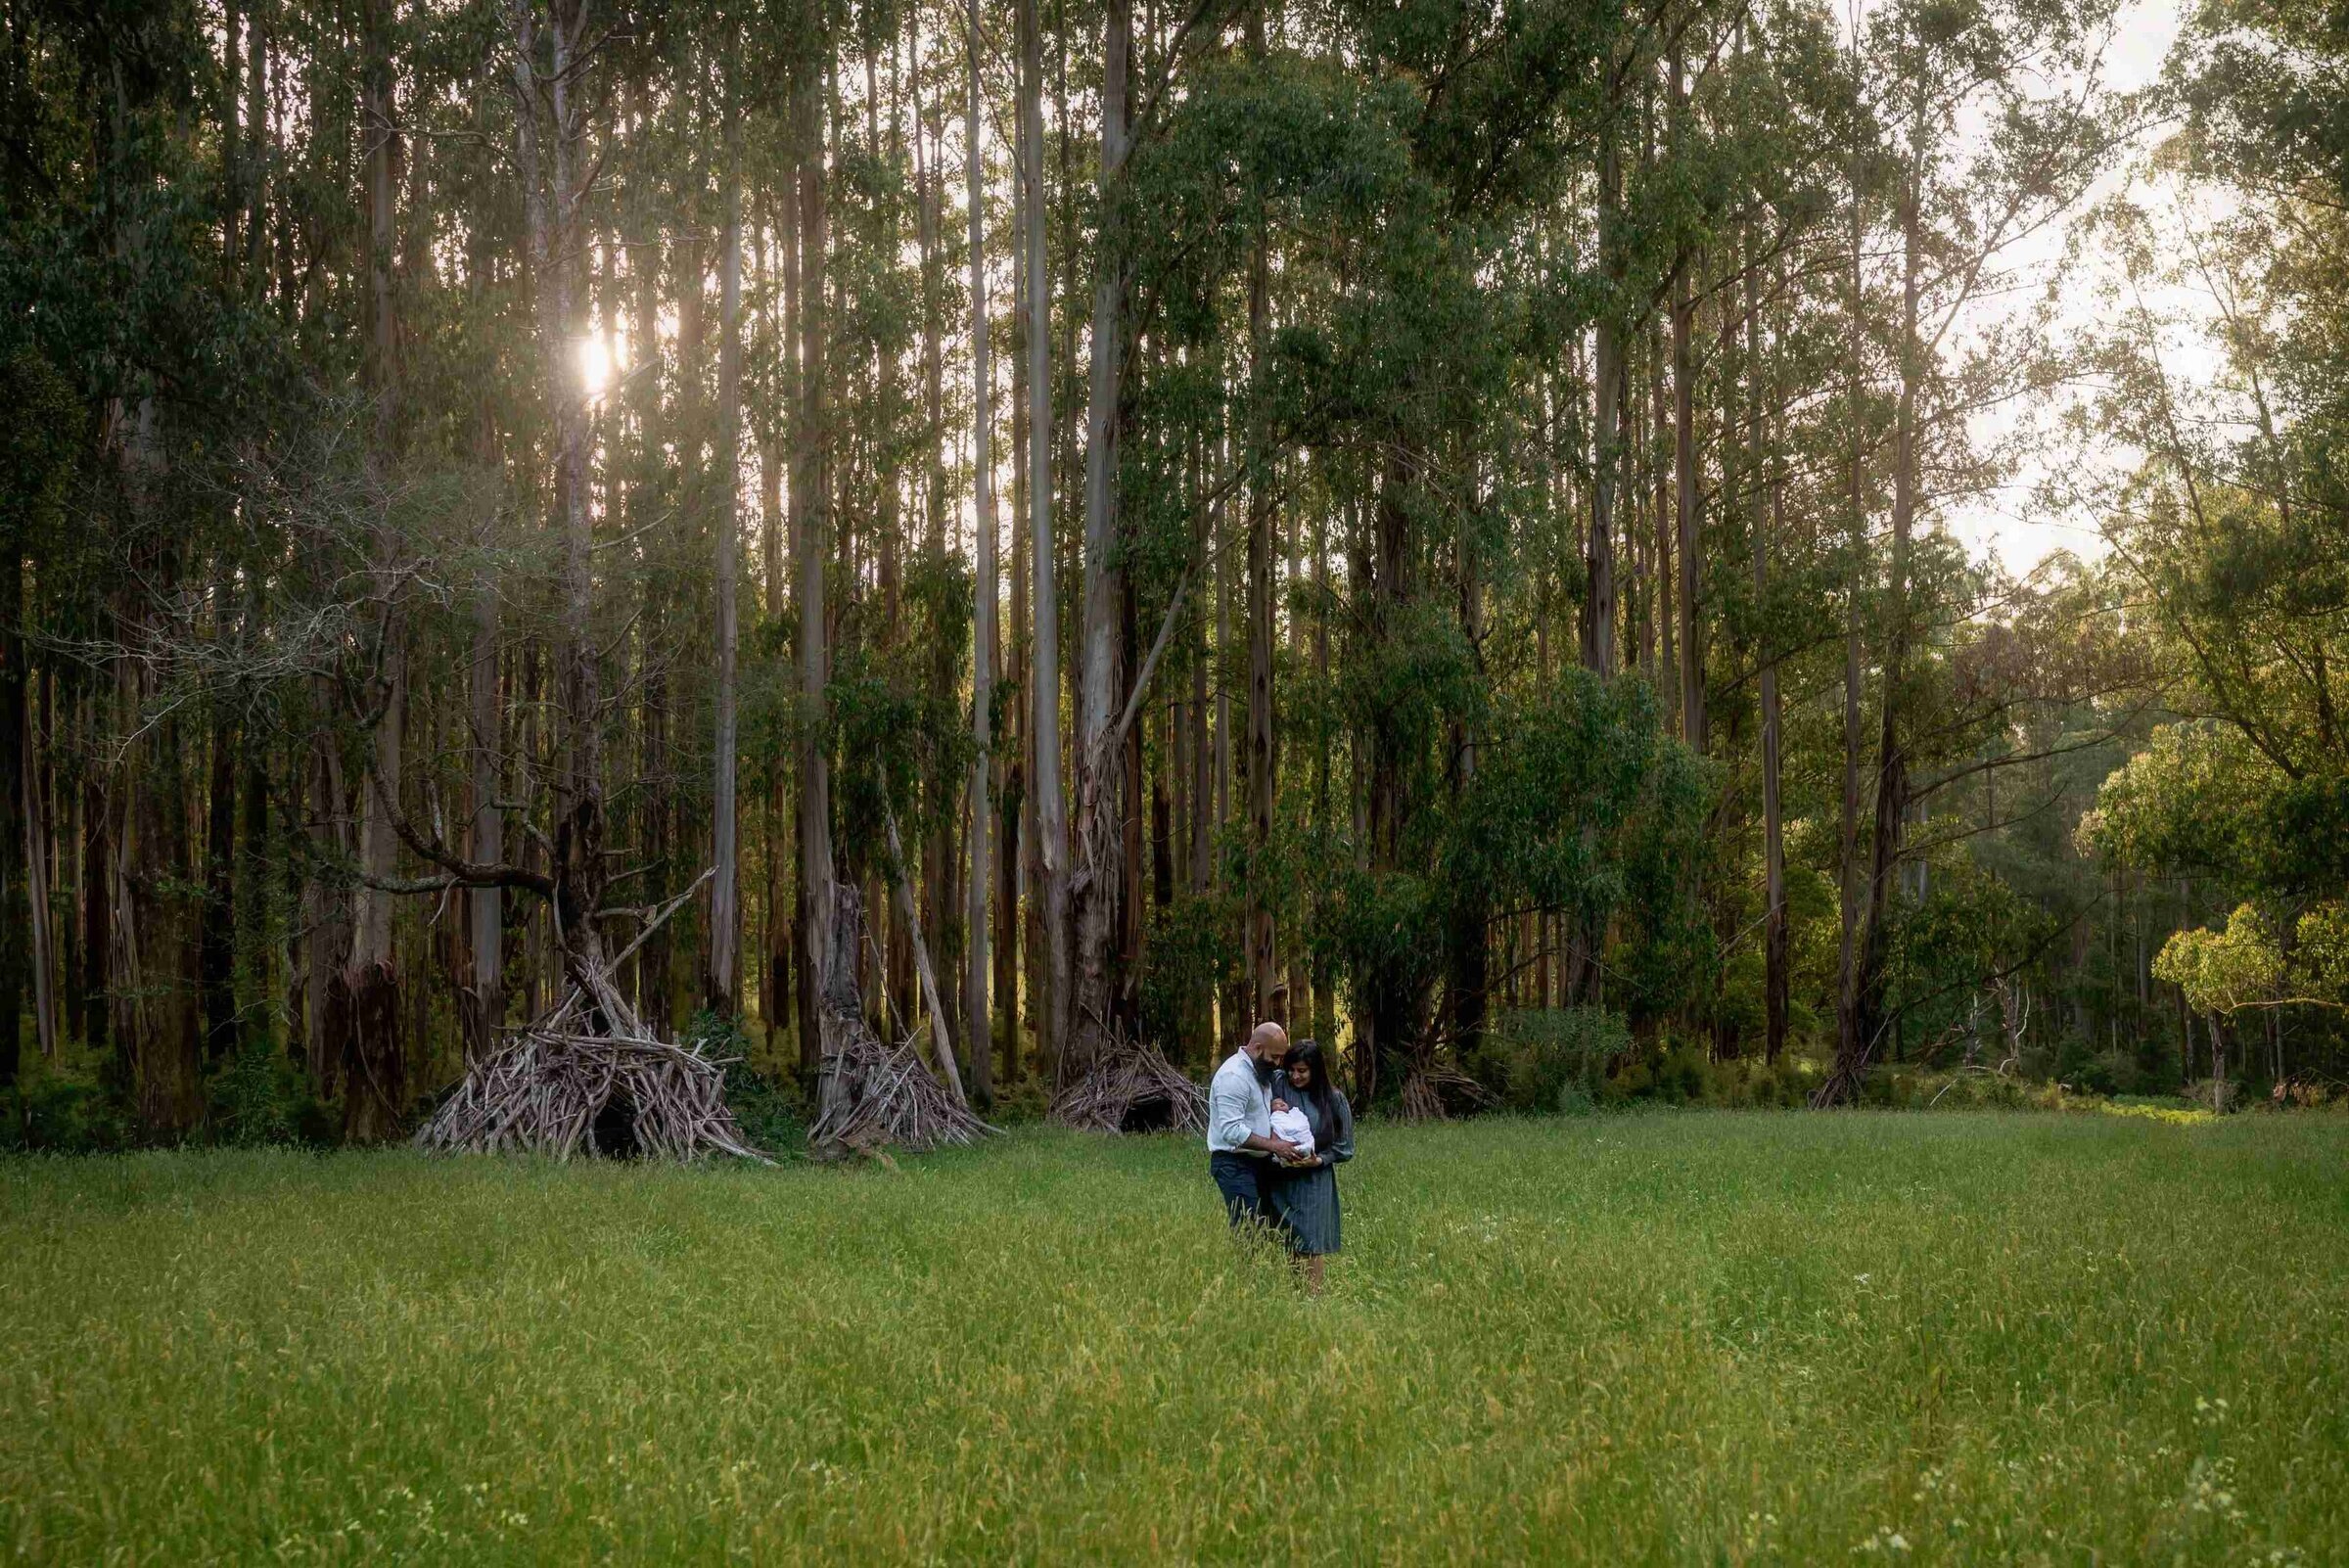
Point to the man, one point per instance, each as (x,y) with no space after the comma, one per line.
(1239,1126)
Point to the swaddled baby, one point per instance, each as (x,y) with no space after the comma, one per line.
(1292,1123)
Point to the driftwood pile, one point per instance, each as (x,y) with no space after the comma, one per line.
(871,1096)
(877,1096)
(1429,1095)
(590,1079)
(1131,1088)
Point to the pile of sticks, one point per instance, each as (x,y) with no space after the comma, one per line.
(545,1093)
(1131,1088)
(1430,1092)
(877,1096)
(870,1095)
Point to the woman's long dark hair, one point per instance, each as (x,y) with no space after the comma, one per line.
(1323,1092)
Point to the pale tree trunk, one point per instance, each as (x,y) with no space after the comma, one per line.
(579,872)
(975,1011)
(363,1011)
(485,999)
(1261,954)
(721,982)
(1016,861)
(1767,518)
(1206,747)
(1684,467)
(488,842)
(1100,775)
(796,951)
(37,887)
(1043,681)
(1468,964)
(1598,608)
(1870,1010)
(363,1007)
(1852,1044)
(16,788)
(810,480)
(942,1043)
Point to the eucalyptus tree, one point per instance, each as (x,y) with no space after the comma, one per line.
(1959,207)
(976,1015)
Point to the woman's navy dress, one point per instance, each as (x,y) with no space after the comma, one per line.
(1306,1198)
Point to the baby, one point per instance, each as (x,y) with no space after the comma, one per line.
(1294,1125)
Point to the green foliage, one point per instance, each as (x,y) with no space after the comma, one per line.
(2223,972)
(2190,802)
(67,1109)
(1193,954)
(260,1096)
(771,1111)
(1552,1059)
(1681,1074)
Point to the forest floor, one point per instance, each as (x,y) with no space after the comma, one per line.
(1699,1337)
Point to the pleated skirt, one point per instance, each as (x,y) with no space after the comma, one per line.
(1306,1202)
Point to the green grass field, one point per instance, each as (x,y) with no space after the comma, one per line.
(1693,1338)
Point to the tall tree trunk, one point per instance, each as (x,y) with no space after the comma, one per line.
(1599,607)
(97,856)
(810,477)
(1468,979)
(976,1015)
(1097,885)
(37,847)
(16,789)
(483,1002)
(486,842)
(792,951)
(1260,956)
(1767,518)
(1871,1012)
(1684,467)
(1016,862)
(1847,1044)
(1044,682)
(721,981)
(363,1014)
(152,924)
(217,943)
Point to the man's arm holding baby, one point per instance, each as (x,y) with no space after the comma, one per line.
(1228,1110)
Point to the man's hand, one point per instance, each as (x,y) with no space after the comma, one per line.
(1286,1152)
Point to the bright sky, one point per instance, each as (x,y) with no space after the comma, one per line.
(2008,523)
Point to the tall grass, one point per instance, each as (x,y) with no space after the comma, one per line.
(1677,1339)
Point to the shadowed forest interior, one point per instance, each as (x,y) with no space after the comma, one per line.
(1037,534)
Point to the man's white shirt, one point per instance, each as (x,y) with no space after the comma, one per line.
(1238,1104)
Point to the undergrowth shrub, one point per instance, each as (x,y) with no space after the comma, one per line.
(63,1108)
(261,1095)
(1682,1073)
(770,1110)
(1549,1059)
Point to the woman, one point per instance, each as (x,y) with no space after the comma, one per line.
(1304,1195)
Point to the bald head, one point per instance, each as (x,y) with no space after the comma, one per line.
(1267,1040)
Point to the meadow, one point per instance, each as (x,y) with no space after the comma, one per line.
(1667,1338)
